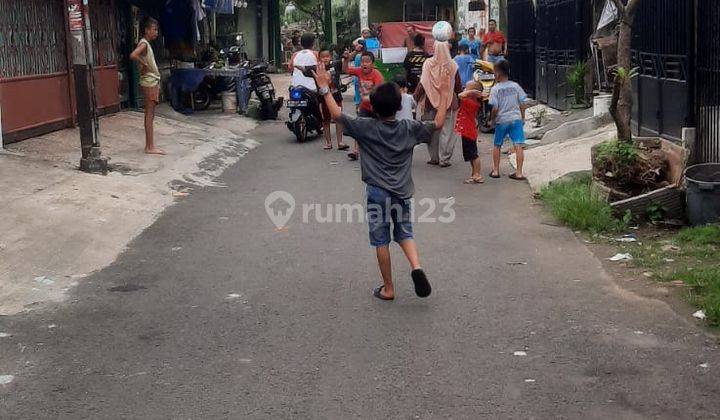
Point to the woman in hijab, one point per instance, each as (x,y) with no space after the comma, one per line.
(439,86)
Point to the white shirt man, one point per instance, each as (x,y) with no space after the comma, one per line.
(304,58)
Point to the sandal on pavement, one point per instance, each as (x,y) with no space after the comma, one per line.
(494,175)
(353,156)
(475,181)
(422,285)
(343,146)
(445,164)
(517,178)
(327,147)
(378,294)
(433,162)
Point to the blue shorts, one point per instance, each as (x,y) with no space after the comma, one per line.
(384,208)
(515,130)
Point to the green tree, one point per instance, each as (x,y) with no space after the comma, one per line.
(307,10)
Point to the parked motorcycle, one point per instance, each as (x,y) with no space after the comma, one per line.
(303,118)
(261,84)
(484,73)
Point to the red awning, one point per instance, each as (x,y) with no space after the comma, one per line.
(393,34)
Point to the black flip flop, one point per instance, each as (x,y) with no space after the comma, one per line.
(343,147)
(494,176)
(379,295)
(517,178)
(422,285)
(352,156)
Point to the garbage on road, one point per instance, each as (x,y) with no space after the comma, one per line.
(6,379)
(700,314)
(630,237)
(621,257)
(47,281)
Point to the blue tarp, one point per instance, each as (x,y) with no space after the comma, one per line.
(176,17)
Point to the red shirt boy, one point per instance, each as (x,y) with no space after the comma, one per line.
(368,77)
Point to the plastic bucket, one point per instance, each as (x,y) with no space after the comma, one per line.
(703,193)
(229,102)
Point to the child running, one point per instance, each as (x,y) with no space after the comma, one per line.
(471,101)
(387,147)
(507,99)
(334,68)
(408,101)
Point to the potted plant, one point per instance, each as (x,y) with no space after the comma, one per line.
(576,80)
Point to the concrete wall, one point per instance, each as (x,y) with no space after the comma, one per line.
(247,24)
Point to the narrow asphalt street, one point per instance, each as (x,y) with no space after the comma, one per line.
(213,313)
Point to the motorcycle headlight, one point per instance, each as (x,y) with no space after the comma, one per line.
(296,94)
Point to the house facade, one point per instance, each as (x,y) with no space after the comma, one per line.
(37,93)
(36,84)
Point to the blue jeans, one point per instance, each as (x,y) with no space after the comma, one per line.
(382,209)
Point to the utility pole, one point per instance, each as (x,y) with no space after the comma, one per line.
(83,71)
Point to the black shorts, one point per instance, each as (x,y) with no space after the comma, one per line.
(470,149)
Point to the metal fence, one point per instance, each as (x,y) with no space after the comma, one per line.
(563,28)
(104,28)
(707,104)
(32,38)
(663,51)
(521,42)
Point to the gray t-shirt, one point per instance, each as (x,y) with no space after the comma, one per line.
(507,97)
(386,150)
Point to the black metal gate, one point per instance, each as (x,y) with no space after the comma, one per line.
(562,33)
(662,52)
(707,104)
(521,42)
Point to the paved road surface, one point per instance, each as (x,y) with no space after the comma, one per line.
(306,340)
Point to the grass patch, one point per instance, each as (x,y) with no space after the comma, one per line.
(579,205)
(704,291)
(690,256)
(702,235)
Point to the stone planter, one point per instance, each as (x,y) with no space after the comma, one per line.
(671,197)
